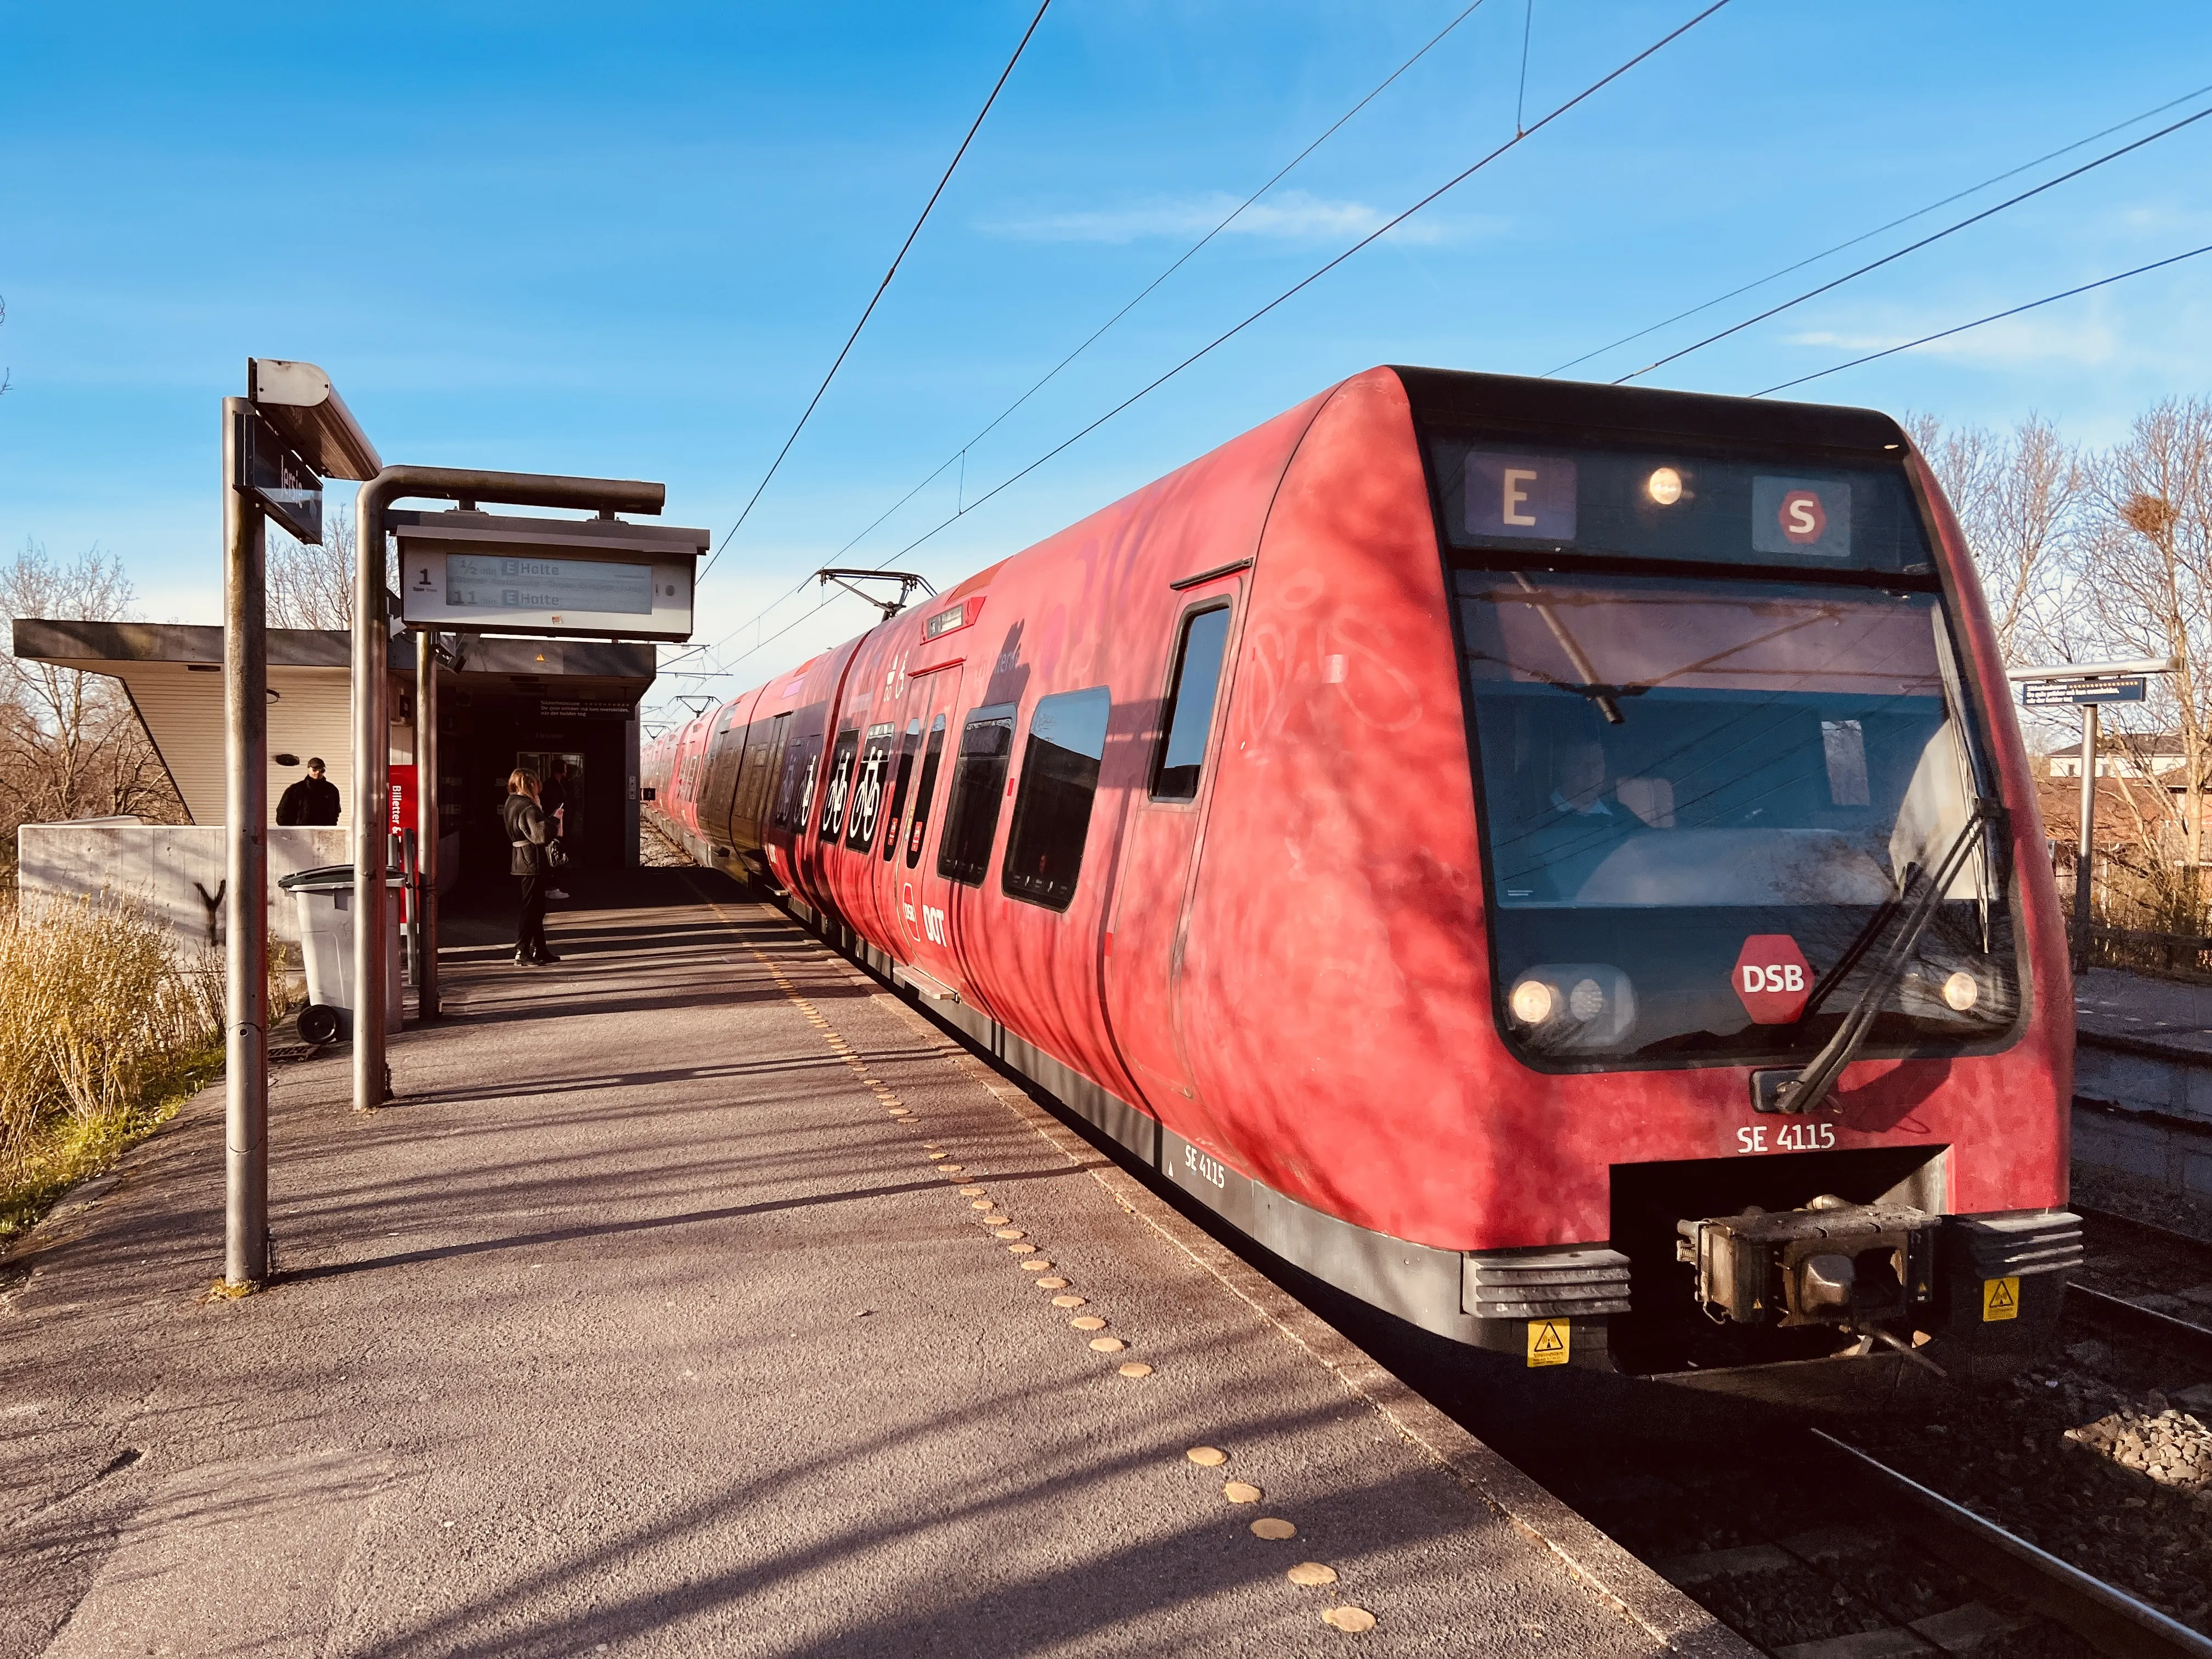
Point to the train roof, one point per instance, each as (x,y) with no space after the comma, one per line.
(1447,397)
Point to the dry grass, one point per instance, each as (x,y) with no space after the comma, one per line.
(106,1027)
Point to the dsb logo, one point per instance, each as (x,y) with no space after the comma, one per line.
(1772,979)
(1773,976)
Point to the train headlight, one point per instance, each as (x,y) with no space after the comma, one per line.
(1664,486)
(1533,1001)
(1572,1006)
(1962,992)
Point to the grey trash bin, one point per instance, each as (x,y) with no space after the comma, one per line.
(324,898)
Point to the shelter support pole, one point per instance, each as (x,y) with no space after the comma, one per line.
(246,869)
(426,825)
(372,738)
(2085,859)
(372,809)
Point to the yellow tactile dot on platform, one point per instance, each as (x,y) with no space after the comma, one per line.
(936,1155)
(996,1220)
(1207,1457)
(1241,1491)
(979,1203)
(1348,1618)
(1136,1368)
(1053,1284)
(1087,1321)
(965,1191)
(1066,1301)
(1309,1573)
(1037,1264)
(1010,1232)
(1108,1344)
(1269,1526)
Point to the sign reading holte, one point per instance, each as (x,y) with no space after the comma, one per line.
(1772,979)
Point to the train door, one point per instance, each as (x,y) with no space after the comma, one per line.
(1144,935)
(917,896)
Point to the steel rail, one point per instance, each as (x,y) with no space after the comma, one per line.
(2132,1321)
(2108,1619)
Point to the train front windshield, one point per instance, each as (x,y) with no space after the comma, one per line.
(1684,780)
(1719,735)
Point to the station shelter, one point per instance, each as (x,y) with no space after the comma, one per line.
(502,702)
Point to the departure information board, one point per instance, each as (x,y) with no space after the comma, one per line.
(475,583)
(469,572)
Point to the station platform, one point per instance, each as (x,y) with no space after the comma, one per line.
(698,1296)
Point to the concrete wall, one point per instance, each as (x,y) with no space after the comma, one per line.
(173,869)
(2146,1109)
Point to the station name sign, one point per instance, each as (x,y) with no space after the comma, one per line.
(479,573)
(274,476)
(2082,688)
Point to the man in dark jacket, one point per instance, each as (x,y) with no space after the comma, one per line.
(313,801)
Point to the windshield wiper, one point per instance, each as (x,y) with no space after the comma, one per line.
(1805,1092)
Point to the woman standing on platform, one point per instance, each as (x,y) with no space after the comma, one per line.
(526,835)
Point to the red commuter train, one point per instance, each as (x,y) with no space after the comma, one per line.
(1556,861)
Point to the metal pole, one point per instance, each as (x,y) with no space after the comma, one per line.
(246,836)
(426,825)
(2085,859)
(372,755)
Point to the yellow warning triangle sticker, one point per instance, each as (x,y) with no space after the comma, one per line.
(2000,1295)
(1547,1338)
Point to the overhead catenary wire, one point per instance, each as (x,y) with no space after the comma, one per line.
(1295,289)
(1868,235)
(974,127)
(1994,317)
(1914,247)
(960,455)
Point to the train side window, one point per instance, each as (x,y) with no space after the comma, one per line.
(868,788)
(1189,713)
(838,787)
(925,790)
(1052,812)
(979,782)
(901,780)
(796,797)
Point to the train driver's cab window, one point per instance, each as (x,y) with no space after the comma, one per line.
(1052,813)
(979,779)
(1189,713)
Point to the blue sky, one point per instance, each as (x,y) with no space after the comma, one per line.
(628,241)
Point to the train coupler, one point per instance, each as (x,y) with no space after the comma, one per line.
(1832,1262)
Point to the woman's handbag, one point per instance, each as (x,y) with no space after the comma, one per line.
(556,856)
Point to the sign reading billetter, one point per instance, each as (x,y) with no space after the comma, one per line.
(1772,979)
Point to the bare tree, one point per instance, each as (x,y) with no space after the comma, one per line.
(2018,500)
(70,744)
(2148,570)
(309,585)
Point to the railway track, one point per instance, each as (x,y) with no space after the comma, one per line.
(2108,1619)
(1808,1545)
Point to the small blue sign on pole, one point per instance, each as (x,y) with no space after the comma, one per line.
(2087,688)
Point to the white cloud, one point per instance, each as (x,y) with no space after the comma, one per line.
(2013,341)
(1295,215)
